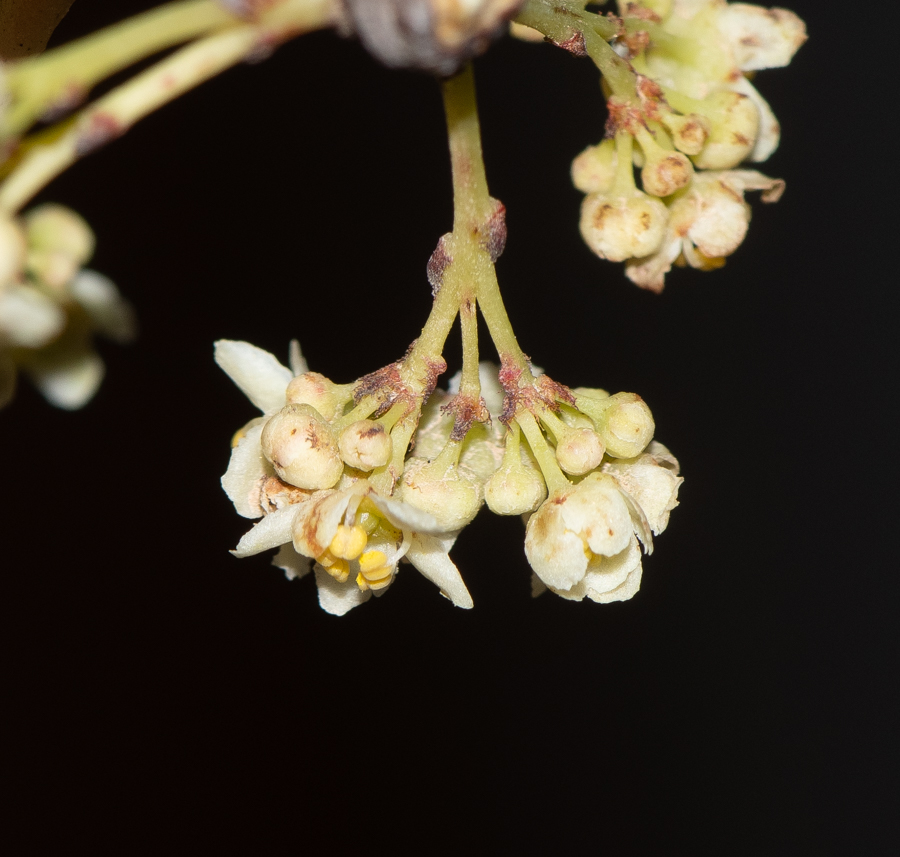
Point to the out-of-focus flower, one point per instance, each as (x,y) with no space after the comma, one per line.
(51,307)
(707,223)
(430,35)
(694,109)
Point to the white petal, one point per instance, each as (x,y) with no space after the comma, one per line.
(245,468)
(296,359)
(271,532)
(69,382)
(338,598)
(291,563)
(769,133)
(597,511)
(607,576)
(110,313)
(650,271)
(556,555)
(406,517)
(624,592)
(429,554)
(28,318)
(256,372)
(761,38)
(318,520)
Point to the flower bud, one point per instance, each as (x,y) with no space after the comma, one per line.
(58,229)
(579,451)
(594,170)
(301,448)
(365,445)
(623,421)
(619,228)
(514,489)
(451,497)
(689,133)
(734,126)
(664,171)
(59,243)
(314,390)
(628,426)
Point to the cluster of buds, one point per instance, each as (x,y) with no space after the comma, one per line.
(350,479)
(51,306)
(692,119)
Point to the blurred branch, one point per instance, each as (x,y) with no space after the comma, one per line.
(26,25)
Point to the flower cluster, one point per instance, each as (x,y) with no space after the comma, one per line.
(329,472)
(50,307)
(691,118)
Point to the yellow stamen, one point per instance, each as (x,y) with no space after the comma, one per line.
(377,574)
(348,542)
(380,584)
(371,560)
(339,570)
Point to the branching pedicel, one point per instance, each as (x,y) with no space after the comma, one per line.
(353,478)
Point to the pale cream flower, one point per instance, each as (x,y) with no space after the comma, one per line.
(651,479)
(582,542)
(707,222)
(49,336)
(355,535)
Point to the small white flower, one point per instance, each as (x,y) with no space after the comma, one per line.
(355,536)
(708,222)
(582,541)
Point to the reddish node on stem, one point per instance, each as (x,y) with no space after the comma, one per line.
(101,128)
(437,264)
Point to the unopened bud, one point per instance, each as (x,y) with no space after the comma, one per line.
(619,228)
(689,133)
(514,489)
(628,426)
(301,448)
(365,445)
(594,170)
(314,390)
(56,229)
(664,171)
(579,451)
(734,122)
(450,496)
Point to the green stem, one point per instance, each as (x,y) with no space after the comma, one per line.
(113,114)
(560,21)
(545,457)
(473,208)
(71,70)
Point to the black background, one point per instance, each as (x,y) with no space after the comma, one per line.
(162,691)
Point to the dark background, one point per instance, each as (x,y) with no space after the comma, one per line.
(162,691)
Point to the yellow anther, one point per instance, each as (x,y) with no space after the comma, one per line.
(339,570)
(326,560)
(361,582)
(238,437)
(378,574)
(381,584)
(371,560)
(348,542)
